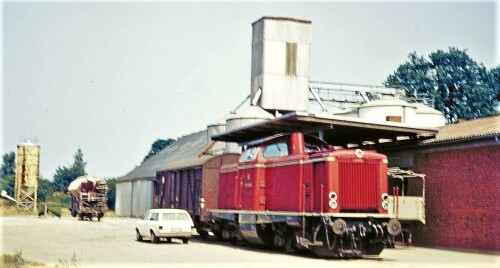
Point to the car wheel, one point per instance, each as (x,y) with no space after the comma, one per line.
(169,240)
(138,235)
(154,238)
(185,240)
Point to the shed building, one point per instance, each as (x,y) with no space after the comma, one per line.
(462,184)
(134,191)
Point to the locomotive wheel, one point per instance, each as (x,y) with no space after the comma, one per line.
(204,235)
(279,240)
(289,244)
(218,235)
(217,231)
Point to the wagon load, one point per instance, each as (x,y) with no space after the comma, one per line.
(88,197)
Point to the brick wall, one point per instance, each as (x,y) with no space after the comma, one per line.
(462,198)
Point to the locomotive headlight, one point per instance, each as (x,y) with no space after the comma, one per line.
(333,204)
(358,153)
(333,200)
(385,201)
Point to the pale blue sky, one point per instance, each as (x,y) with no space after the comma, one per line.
(113,77)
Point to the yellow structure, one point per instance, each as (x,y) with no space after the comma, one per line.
(27,176)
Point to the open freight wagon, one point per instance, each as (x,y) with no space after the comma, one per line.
(88,197)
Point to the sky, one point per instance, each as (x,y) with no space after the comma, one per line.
(112,77)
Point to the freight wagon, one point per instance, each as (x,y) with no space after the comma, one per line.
(88,197)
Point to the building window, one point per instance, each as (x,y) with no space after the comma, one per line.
(291,59)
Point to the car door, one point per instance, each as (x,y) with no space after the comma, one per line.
(143,224)
(152,223)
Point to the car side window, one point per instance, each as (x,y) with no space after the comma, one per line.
(278,149)
(168,216)
(182,216)
(154,216)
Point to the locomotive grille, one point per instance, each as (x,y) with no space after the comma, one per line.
(359,186)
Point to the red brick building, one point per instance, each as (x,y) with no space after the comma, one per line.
(462,164)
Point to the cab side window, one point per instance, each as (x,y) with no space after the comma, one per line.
(250,154)
(278,149)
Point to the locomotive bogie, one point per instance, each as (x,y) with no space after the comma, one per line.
(323,235)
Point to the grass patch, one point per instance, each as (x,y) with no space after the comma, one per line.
(17,260)
(9,208)
(110,213)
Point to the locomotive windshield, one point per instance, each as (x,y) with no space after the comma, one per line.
(314,144)
(277,149)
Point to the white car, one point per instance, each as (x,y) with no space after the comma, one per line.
(165,223)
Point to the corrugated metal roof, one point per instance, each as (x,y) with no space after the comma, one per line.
(467,129)
(183,149)
(283,19)
(338,130)
(186,163)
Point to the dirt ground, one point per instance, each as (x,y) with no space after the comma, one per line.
(111,243)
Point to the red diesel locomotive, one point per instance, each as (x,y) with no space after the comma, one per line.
(298,193)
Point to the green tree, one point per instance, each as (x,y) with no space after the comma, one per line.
(8,165)
(157,146)
(111,193)
(65,175)
(461,87)
(8,173)
(494,75)
(45,189)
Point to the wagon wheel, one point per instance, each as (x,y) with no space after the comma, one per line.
(204,235)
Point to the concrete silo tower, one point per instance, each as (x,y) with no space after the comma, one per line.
(27,176)
(280,63)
